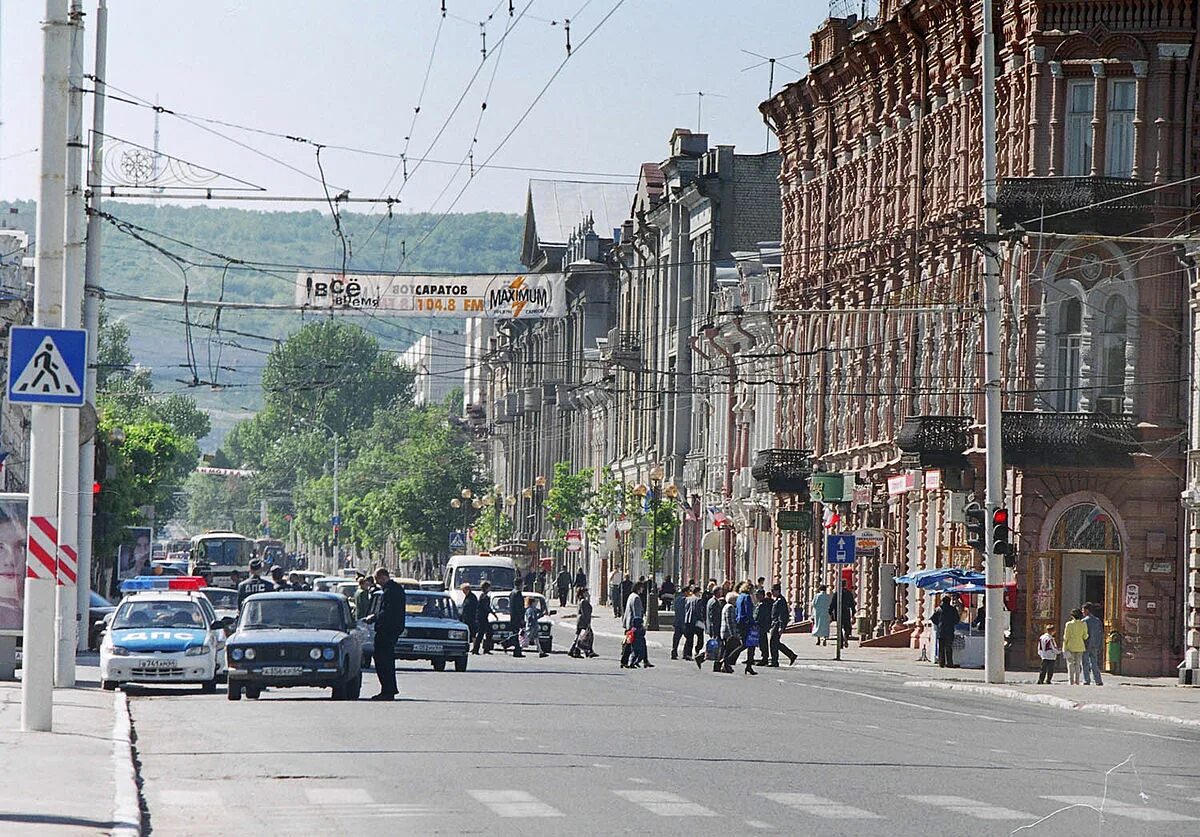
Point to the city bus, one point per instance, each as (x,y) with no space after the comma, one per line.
(216,555)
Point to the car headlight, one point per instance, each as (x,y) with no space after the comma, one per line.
(119,651)
(315,654)
(329,653)
(197,651)
(543,629)
(250,654)
(458,634)
(235,653)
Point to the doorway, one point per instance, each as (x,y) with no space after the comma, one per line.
(1091,588)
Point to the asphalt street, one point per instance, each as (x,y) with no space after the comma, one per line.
(558,745)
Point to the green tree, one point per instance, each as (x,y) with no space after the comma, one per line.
(566,501)
(217,502)
(610,501)
(493,527)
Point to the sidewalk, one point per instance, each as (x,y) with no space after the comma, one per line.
(1150,698)
(77,779)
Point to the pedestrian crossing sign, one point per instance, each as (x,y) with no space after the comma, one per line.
(47,366)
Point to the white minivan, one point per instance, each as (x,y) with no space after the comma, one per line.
(476,569)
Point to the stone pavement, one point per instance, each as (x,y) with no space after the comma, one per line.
(1149,698)
(66,781)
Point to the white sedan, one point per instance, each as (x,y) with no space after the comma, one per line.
(163,637)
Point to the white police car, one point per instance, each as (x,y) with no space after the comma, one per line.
(164,631)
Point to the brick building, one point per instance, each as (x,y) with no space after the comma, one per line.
(881,202)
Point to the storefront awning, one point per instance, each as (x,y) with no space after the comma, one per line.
(711,540)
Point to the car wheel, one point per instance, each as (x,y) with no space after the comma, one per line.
(233,692)
(252,692)
(460,663)
(439,663)
(108,685)
(209,687)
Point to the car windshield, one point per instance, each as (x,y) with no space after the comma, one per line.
(168,614)
(221,597)
(284,612)
(500,577)
(432,607)
(500,605)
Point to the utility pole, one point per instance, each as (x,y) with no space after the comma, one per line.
(37,684)
(91,316)
(337,518)
(993,658)
(1189,670)
(67,610)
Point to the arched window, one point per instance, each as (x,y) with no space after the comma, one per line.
(1086,527)
(1070,338)
(1112,346)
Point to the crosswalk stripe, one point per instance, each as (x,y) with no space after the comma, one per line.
(819,806)
(515,803)
(338,796)
(665,804)
(972,808)
(1123,809)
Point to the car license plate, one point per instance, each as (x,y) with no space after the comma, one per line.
(282,671)
(158,663)
(427,648)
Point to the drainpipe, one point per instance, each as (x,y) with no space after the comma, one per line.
(730,438)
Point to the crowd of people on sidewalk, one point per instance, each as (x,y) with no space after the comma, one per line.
(1083,645)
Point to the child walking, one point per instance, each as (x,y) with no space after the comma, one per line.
(1048,650)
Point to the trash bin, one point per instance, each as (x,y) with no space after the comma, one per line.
(1114,649)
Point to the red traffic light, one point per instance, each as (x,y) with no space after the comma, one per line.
(95,488)
(1000,516)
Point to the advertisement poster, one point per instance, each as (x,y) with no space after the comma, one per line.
(14,512)
(133,555)
(493,296)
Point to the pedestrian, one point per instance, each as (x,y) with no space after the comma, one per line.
(235,579)
(254,584)
(820,615)
(584,636)
(760,587)
(516,618)
(634,613)
(781,615)
(626,590)
(580,581)
(540,586)
(668,587)
(562,585)
(692,609)
(712,625)
(678,620)
(1095,645)
(532,635)
(614,591)
(762,620)
(729,634)
(1075,637)
(297,582)
(846,599)
(470,607)
(277,579)
(388,619)
(746,631)
(362,598)
(979,623)
(945,620)
(483,620)
(1048,651)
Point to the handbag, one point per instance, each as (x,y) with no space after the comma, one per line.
(752,637)
(713,647)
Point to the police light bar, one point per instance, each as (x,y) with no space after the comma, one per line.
(142,583)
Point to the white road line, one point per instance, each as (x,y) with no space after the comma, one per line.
(819,806)
(337,796)
(190,798)
(1124,809)
(665,804)
(973,808)
(760,825)
(909,704)
(514,803)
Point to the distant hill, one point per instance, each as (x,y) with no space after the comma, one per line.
(477,242)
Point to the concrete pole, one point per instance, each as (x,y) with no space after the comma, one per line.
(993,658)
(37,685)
(67,609)
(91,317)
(1189,671)
(337,527)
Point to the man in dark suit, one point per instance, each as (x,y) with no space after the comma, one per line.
(483,620)
(388,619)
(469,607)
(516,617)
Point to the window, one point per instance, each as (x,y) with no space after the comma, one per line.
(1080,106)
(1112,383)
(1122,99)
(1069,341)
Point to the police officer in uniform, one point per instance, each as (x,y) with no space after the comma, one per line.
(388,619)
(254,584)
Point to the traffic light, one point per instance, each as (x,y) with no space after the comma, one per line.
(1000,544)
(975,523)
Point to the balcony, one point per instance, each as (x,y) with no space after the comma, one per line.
(532,399)
(784,470)
(934,441)
(623,348)
(1039,203)
(1030,439)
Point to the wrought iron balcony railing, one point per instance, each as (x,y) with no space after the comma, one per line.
(784,470)
(1072,203)
(935,441)
(1030,439)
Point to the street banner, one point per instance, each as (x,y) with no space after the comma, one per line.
(494,296)
(133,555)
(14,512)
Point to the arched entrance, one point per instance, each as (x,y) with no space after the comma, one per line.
(1082,560)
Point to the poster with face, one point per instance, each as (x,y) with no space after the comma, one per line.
(133,555)
(14,512)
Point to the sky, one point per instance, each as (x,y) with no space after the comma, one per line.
(351,74)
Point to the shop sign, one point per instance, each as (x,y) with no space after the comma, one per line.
(794,521)
(825,488)
(933,480)
(1131,596)
(1158,567)
(862,495)
(868,539)
(902,483)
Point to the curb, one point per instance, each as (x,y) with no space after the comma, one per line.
(127,809)
(1056,702)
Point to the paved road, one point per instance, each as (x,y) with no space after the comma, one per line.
(538,746)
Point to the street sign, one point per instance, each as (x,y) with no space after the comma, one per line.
(865,539)
(47,366)
(574,540)
(336,520)
(458,541)
(840,549)
(794,521)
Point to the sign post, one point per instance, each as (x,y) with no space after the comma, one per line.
(839,551)
(458,542)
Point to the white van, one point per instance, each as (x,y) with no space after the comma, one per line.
(476,569)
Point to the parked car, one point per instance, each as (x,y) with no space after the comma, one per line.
(295,638)
(99,608)
(224,601)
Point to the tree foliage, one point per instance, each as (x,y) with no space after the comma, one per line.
(566,501)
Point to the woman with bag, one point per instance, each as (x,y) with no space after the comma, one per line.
(582,646)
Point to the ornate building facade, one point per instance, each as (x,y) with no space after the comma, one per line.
(881,185)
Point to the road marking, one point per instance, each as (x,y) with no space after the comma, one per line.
(515,803)
(760,825)
(972,808)
(909,704)
(819,806)
(665,804)
(337,796)
(1123,809)
(190,798)
(639,781)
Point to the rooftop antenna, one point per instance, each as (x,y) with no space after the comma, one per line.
(771,62)
(700,94)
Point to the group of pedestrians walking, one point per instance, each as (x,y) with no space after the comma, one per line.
(1083,645)
(524,616)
